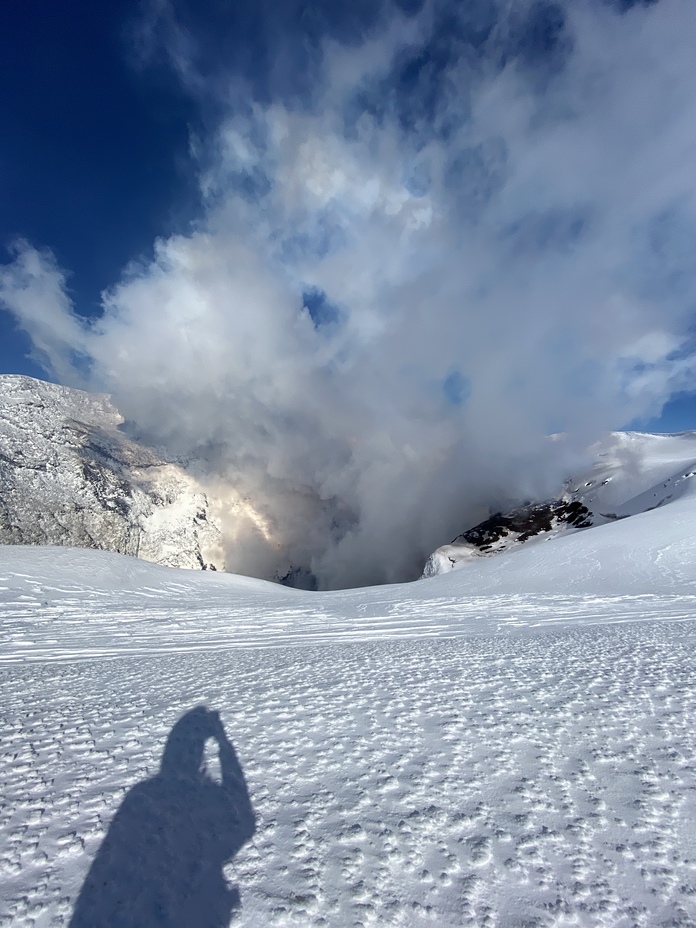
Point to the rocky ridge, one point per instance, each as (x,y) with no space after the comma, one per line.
(70,476)
(633,472)
(502,531)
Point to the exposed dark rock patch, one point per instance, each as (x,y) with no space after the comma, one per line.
(525,522)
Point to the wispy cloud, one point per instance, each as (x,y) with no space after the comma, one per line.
(472,230)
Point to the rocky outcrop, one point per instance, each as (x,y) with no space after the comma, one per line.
(632,473)
(70,476)
(502,531)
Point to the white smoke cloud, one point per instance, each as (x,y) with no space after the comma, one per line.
(390,304)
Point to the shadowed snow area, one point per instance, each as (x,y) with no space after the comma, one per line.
(510,744)
(162,860)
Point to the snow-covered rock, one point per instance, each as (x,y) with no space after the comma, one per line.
(634,472)
(69,476)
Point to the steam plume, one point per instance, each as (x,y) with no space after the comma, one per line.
(471,230)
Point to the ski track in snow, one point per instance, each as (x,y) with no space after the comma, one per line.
(59,633)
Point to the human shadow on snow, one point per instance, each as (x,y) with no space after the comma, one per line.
(161,862)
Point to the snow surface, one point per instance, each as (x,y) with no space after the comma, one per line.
(508,745)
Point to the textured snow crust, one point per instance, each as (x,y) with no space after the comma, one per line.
(506,746)
(68,476)
(545,779)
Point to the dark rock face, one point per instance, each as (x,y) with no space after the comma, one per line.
(505,531)
(526,522)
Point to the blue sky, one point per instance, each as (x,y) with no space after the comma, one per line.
(95,133)
(93,153)
(361,258)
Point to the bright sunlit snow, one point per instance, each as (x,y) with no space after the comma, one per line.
(508,745)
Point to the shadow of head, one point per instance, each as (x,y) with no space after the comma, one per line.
(183,755)
(161,864)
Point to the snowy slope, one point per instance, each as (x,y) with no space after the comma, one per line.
(69,476)
(633,473)
(505,746)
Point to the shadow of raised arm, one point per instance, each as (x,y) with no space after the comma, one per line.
(234,783)
(161,862)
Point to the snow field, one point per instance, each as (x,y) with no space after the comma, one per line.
(511,745)
(535,778)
